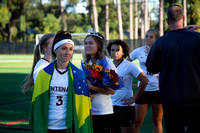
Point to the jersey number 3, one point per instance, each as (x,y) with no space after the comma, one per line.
(60,100)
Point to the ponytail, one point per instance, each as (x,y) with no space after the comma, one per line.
(38,50)
(29,79)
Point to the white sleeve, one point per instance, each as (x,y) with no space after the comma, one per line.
(40,65)
(133,55)
(134,69)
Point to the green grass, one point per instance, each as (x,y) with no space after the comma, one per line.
(15,106)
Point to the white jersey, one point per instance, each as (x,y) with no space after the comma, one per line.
(141,55)
(58,100)
(102,103)
(42,63)
(126,71)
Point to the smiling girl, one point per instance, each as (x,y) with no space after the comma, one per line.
(102,109)
(151,95)
(61,100)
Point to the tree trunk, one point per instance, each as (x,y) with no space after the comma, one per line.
(142,20)
(89,14)
(131,19)
(185,12)
(119,16)
(95,15)
(62,15)
(146,20)
(161,18)
(136,20)
(107,21)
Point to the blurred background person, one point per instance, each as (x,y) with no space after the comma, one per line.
(43,47)
(151,95)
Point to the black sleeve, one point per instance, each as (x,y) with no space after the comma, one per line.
(154,59)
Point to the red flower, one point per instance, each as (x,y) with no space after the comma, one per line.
(94,73)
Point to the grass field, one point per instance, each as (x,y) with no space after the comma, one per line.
(15,106)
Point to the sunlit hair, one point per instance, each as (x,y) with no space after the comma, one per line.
(121,43)
(101,50)
(174,13)
(38,50)
(155,32)
(60,35)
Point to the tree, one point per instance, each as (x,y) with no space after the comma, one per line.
(62,15)
(119,17)
(185,12)
(5,16)
(131,19)
(106,20)
(136,20)
(17,8)
(194,12)
(95,15)
(161,17)
(146,12)
(51,24)
(142,20)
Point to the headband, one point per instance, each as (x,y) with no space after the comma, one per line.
(92,32)
(62,42)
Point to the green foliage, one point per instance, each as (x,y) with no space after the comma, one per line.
(77,23)
(5,16)
(34,17)
(51,24)
(22,23)
(194,12)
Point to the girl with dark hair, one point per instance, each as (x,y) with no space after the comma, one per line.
(43,47)
(102,109)
(123,99)
(61,99)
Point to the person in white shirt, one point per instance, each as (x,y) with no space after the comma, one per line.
(102,109)
(42,48)
(123,99)
(151,95)
(61,99)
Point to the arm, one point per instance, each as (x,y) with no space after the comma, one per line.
(143,83)
(192,26)
(101,90)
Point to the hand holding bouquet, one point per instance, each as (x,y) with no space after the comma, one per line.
(100,77)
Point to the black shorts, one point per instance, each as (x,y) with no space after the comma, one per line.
(149,97)
(124,115)
(57,131)
(102,123)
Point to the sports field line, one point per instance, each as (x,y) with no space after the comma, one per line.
(14,122)
(28,65)
(14,66)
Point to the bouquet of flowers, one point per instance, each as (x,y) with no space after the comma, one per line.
(100,77)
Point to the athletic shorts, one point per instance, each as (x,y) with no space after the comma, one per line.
(149,97)
(57,131)
(102,123)
(124,115)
